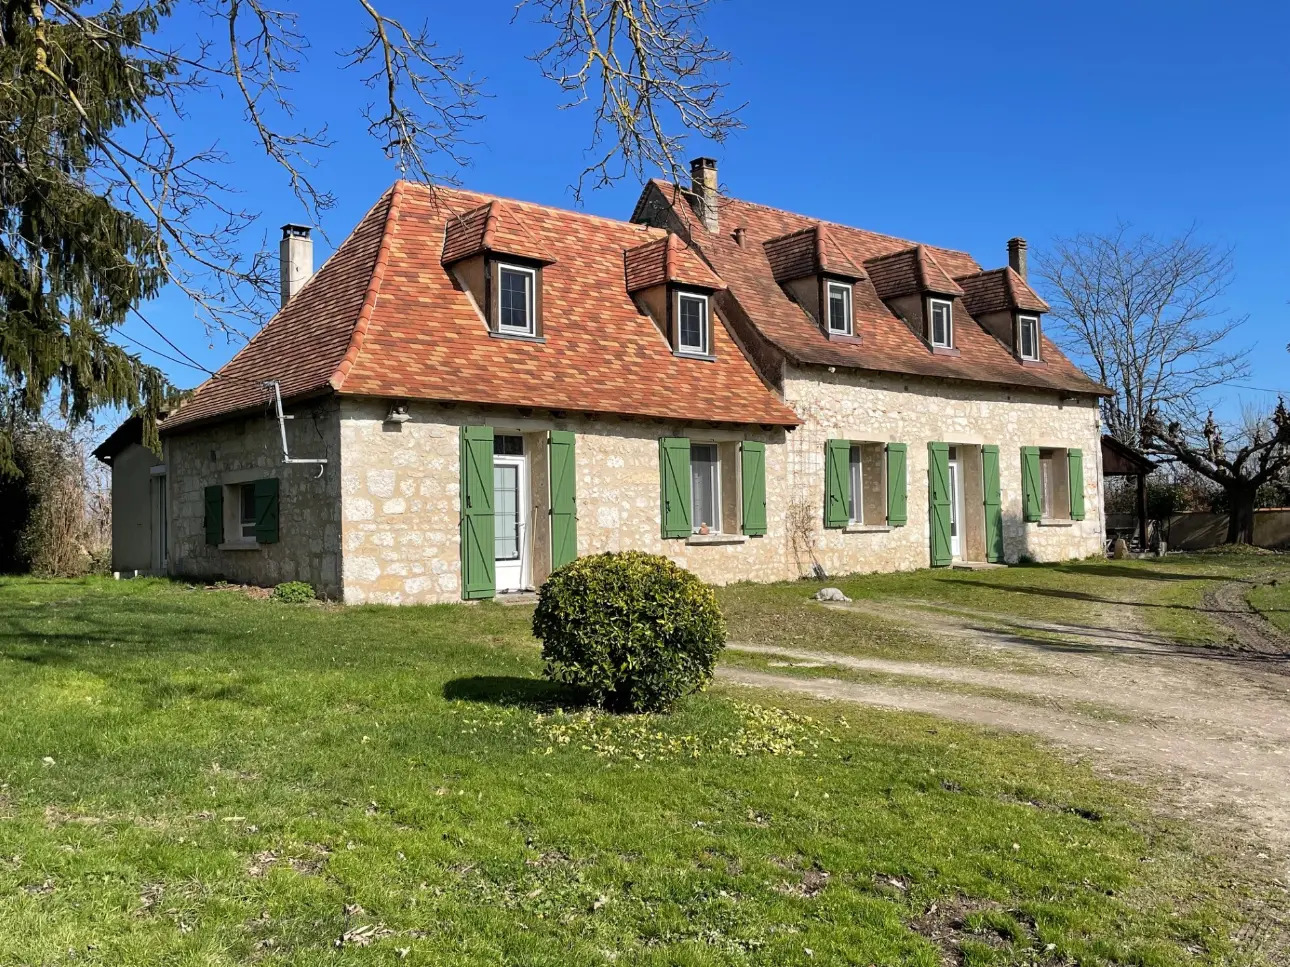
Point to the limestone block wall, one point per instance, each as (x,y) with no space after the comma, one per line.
(241,449)
(401,498)
(888,408)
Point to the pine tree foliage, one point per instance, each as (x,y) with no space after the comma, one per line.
(73,261)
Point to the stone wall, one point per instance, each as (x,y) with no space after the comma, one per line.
(242,449)
(891,409)
(401,498)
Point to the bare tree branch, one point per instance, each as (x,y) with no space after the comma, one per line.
(646,68)
(1145,314)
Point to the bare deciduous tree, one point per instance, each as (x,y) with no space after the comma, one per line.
(1145,314)
(1259,454)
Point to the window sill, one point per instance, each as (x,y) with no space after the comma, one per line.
(701,357)
(945,351)
(847,337)
(239,546)
(1032,363)
(866,529)
(1056,522)
(517,336)
(698,539)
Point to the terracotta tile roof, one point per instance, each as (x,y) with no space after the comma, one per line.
(306,342)
(999,290)
(909,272)
(664,260)
(886,344)
(809,251)
(383,317)
(492,227)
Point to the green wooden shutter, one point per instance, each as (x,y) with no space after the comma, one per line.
(837,488)
(674,486)
(753,477)
(938,489)
(897,485)
(1075,465)
(266,511)
(1031,484)
(214,514)
(478,549)
(993,504)
(564,504)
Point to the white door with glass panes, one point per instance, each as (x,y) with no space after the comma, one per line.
(956,505)
(510,512)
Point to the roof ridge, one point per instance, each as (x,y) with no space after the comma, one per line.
(823,221)
(490,199)
(359,333)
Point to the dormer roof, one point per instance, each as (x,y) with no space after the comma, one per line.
(911,271)
(384,318)
(492,228)
(809,251)
(667,260)
(999,290)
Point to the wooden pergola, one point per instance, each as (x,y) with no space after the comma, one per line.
(1119,460)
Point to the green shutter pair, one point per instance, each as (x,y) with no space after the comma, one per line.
(1032,483)
(674,487)
(266,512)
(940,498)
(837,487)
(478,547)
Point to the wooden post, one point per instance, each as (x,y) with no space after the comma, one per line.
(1142,511)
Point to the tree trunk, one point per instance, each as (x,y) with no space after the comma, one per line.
(1240,518)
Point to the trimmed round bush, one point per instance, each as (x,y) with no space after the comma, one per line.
(294,592)
(632,629)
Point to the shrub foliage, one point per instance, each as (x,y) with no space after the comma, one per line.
(632,629)
(294,592)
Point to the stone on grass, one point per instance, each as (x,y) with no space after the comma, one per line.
(830,594)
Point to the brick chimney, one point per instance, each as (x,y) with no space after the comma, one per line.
(1017,255)
(295,259)
(703,182)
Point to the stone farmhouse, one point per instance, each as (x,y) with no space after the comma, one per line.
(472,391)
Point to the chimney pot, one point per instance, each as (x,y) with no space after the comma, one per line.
(703,182)
(295,260)
(739,236)
(1017,256)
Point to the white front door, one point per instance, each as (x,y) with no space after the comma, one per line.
(956,505)
(510,514)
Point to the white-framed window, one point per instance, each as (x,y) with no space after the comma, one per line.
(692,324)
(839,302)
(705,487)
(867,483)
(940,327)
(246,511)
(516,285)
(1054,485)
(1028,337)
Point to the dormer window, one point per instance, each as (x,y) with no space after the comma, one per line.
(940,327)
(515,310)
(1028,337)
(692,324)
(839,302)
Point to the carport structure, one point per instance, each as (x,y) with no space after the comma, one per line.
(1119,460)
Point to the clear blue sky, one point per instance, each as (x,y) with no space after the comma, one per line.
(950,123)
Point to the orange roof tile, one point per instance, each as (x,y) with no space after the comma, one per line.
(909,272)
(885,343)
(492,227)
(809,251)
(383,317)
(665,260)
(999,290)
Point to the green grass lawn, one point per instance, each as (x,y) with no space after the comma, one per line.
(1274,603)
(194,777)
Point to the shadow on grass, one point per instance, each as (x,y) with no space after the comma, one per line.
(509,690)
(1136,573)
(1099,599)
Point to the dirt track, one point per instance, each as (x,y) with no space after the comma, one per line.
(1213,727)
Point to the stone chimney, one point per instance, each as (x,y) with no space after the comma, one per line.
(703,182)
(295,259)
(1017,256)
